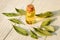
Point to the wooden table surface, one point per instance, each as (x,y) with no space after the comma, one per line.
(6,30)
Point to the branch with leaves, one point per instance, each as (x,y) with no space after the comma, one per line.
(44,30)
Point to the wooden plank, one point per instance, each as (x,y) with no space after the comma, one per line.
(15,36)
(5,25)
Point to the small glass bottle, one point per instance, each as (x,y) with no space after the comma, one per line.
(30,14)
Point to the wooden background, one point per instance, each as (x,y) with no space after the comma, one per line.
(6,31)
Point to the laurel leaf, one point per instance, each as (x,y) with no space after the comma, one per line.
(20,11)
(20,30)
(11,14)
(16,21)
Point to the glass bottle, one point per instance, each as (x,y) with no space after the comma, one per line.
(30,14)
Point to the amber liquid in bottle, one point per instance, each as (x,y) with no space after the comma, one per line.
(30,15)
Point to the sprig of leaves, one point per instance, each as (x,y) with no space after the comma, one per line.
(47,31)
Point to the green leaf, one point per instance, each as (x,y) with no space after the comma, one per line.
(40,15)
(10,14)
(46,22)
(16,21)
(45,15)
(45,32)
(49,28)
(42,32)
(38,31)
(48,14)
(20,30)
(20,11)
(33,35)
